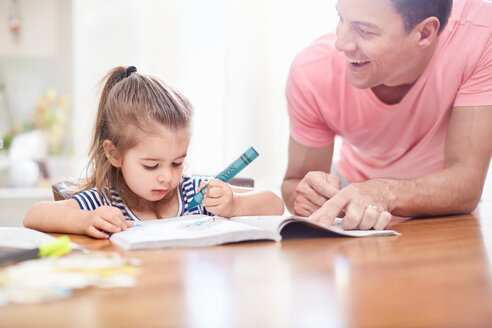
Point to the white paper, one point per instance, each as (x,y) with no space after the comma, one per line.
(14,237)
(22,237)
(187,231)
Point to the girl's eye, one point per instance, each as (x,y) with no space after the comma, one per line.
(177,164)
(150,168)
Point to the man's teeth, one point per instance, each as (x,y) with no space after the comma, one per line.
(358,61)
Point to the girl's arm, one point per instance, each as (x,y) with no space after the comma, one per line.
(256,202)
(227,201)
(66,216)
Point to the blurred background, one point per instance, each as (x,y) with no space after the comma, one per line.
(229,57)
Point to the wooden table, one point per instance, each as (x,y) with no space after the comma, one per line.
(437,274)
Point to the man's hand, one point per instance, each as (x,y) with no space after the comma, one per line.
(219,198)
(364,205)
(107,218)
(313,191)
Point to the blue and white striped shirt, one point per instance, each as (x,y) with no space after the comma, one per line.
(187,189)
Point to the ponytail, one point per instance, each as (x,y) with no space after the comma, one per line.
(128,99)
(101,133)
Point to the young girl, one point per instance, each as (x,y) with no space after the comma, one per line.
(140,142)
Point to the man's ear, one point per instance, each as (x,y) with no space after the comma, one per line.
(427,31)
(112,153)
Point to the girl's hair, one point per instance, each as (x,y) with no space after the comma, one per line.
(130,99)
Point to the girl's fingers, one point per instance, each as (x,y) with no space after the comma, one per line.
(114,216)
(96,233)
(105,225)
(117,221)
(215,192)
(211,201)
(201,185)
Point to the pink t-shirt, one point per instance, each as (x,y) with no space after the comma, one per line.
(405,140)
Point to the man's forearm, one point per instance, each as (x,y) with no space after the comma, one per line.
(289,193)
(453,190)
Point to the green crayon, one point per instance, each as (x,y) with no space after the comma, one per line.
(230,172)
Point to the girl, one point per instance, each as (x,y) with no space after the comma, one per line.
(140,142)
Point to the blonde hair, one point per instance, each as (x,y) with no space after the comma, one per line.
(129,99)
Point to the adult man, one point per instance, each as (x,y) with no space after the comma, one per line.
(410,93)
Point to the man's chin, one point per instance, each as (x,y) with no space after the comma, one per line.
(360,84)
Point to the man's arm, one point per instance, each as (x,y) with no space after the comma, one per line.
(302,160)
(456,188)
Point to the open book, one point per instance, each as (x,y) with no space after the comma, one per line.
(202,230)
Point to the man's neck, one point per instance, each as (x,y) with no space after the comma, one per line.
(394,94)
(391,95)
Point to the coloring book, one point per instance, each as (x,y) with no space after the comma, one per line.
(202,230)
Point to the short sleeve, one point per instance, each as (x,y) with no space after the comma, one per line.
(307,125)
(88,200)
(476,89)
(189,188)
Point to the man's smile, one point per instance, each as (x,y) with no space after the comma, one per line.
(354,63)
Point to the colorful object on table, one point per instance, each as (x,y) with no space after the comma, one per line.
(230,172)
(53,248)
(49,279)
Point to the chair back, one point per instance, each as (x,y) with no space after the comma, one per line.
(65,189)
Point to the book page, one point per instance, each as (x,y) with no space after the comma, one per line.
(276,223)
(268,222)
(188,231)
(336,227)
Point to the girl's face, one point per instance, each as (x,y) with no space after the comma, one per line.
(153,168)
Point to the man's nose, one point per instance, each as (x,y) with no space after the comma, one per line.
(345,41)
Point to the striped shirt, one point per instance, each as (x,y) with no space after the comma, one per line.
(187,188)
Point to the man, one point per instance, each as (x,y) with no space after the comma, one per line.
(408,87)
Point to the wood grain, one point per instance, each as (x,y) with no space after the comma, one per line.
(437,274)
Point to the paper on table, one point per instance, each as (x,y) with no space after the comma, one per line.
(25,238)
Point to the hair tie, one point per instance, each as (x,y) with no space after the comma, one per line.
(130,70)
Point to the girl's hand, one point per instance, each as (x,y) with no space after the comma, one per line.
(219,198)
(107,218)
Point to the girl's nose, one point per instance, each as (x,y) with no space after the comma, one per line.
(164,176)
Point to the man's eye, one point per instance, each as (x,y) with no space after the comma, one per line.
(362,31)
(150,168)
(177,164)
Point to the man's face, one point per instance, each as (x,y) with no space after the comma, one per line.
(378,49)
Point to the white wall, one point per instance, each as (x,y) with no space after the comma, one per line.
(229,57)
(37,58)
(37,36)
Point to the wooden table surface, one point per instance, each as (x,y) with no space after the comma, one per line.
(436,274)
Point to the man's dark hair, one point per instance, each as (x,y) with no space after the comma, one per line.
(415,11)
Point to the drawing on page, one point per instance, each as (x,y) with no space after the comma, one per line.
(202,224)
